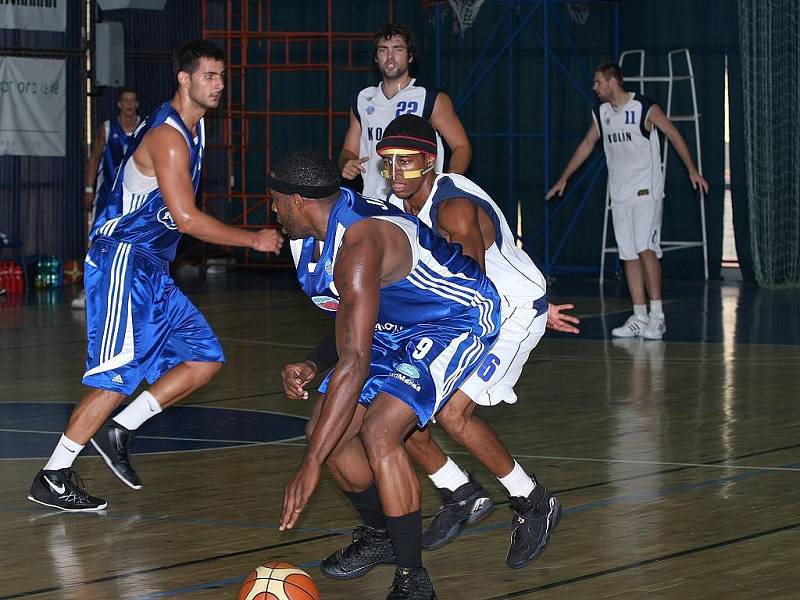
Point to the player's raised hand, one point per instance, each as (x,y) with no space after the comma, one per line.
(295,376)
(559,321)
(557,189)
(268,240)
(298,492)
(353,167)
(698,182)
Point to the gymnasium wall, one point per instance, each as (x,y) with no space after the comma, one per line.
(498,87)
(549,111)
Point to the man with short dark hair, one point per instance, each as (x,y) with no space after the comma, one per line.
(139,324)
(414,318)
(374,107)
(625,121)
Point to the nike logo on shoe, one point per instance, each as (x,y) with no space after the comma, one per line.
(476,508)
(58,489)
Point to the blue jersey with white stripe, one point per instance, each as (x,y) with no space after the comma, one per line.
(117,140)
(443,289)
(139,216)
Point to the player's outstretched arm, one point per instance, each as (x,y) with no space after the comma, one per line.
(657,117)
(165,154)
(349,162)
(357,276)
(582,152)
(458,220)
(445,120)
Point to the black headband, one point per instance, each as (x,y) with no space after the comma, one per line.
(406,141)
(306,191)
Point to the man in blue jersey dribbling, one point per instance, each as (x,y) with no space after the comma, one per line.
(414,318)
(140,326)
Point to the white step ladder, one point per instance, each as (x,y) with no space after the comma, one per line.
(694,118)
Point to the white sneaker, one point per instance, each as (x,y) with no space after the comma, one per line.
(79,302)
(633,327)
(655,328)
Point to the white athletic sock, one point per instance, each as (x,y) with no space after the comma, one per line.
(656,308)
(518,482)
(138,411)
(64,455)
(640,310)
(450,476)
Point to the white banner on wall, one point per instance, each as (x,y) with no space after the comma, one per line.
(33,106)
(44,15)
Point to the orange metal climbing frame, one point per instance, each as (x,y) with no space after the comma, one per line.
(240,134)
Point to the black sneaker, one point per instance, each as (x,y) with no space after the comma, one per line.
(65,490)
(467,505)
(370,547)
(534,519)
(411,584)
(112,442)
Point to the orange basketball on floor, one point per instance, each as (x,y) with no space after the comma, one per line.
(278,581)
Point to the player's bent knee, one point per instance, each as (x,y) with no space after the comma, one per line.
(454,418)
(420,441)
(204,372)
(376,439)
(454,424)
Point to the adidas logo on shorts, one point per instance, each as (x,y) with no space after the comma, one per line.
(117,379)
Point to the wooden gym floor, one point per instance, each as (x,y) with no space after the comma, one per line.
(678,462)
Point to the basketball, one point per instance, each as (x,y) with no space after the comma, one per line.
(73,271)
(278,581)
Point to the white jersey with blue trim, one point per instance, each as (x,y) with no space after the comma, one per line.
(516,277)
(633,154)
(374,112)
(443,288)
(135,212)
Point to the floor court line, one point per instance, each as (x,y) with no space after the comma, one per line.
(615,460)
(472,531)
(619,500)
(581,508)
(220,583)
(646,562)
(301,444)
(187,563)
(151,437)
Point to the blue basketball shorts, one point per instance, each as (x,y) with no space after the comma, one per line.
(138,323)
(422,367)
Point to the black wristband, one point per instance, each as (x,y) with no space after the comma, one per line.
(324,356)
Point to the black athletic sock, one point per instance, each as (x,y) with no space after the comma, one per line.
(406,535)
(368,505)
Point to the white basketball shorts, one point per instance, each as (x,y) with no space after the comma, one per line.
(637,226)
(520,331)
